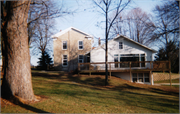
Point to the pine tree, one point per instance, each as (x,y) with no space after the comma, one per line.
(169,53)
(44,61)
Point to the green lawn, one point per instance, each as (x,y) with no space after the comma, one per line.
(72,94)
(168,81)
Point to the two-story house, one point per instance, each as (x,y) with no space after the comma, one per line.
(70,46)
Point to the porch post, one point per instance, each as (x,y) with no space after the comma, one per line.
(170,73)
(90,73)
(151,77)
(78,69)
(78,73)
(170,78)
(78,66)
(110,70)
(130,72)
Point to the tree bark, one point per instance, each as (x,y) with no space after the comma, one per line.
(106,50)
(17,71)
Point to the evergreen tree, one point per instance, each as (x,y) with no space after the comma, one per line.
(169,53)
(44,61)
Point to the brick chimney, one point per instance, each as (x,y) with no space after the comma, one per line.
(99,41)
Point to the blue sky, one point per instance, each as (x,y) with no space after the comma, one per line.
(87,17)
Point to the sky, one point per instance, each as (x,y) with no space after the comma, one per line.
(86,18)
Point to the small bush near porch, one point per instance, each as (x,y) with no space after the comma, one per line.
(65,93)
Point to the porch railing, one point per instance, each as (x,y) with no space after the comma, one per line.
(151,65)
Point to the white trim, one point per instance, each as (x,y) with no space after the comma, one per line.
(54,38)
(154,51)
(70,28)
(64,59)
(82,45)
(66,45)
(124,37)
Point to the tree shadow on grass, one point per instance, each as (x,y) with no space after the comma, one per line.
(152,102)
(94,81)
(16,101)
(131,98)
(98,81)
(127,92)
(28,107)
(150,89)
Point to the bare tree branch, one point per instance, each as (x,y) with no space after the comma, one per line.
(106,7)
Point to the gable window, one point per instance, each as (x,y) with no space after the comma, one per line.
(80,44)
(65,60)
(80,59)
(120,45)
(64,45)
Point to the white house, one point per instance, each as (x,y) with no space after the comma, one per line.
(123,49)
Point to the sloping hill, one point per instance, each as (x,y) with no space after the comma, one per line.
(61,92)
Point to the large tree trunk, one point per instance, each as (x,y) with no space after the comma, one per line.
(17,72)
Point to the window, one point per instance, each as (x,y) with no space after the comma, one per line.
(65,60)
(140,77)
(80,44)
(129,57)
(146,77)
(134,77)
(80,59)
(125,58)
(142,59)
(64,45)
(88,59)
(116,60)
(120,45)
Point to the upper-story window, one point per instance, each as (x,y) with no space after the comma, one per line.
(64,45)
(120,45)
(80,44)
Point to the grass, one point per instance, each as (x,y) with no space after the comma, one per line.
(66,93)
(177,86)
(168,81)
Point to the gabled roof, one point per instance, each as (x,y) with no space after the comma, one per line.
(68,29)
(121,36)
(154,51)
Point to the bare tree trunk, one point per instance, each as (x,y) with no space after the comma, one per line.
(106,56)
(17,72)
